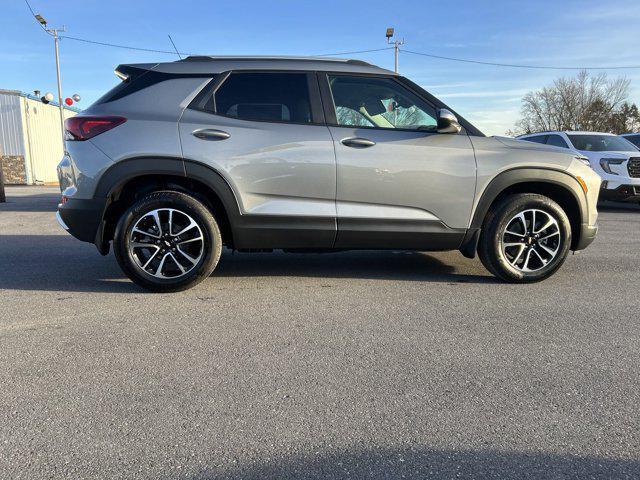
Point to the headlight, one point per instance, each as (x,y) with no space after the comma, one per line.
(605,163)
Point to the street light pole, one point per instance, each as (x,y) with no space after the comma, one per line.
(55,41)
(54,32)
(396,47)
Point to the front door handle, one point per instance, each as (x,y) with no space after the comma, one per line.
(210,134)
(357,142)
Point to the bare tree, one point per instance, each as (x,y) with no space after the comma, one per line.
(583,102)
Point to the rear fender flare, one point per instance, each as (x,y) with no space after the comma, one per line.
(124,171)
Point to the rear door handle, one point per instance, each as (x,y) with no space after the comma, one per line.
(210,134)
(357,142)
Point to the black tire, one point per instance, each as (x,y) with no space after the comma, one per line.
(211,243)
(490,247)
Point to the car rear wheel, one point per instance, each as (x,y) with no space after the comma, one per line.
(525,238)
(167,242)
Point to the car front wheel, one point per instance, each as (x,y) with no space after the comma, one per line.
(525,238)
(167,242)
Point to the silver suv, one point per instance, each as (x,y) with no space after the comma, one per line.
(307,155)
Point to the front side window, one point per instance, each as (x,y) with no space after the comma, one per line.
(601,143)
(267,97)
(379,102)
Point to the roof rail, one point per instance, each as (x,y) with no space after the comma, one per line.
(213,58)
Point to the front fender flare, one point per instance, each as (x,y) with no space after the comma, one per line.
(514,177)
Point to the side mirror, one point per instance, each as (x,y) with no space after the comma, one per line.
(447,122)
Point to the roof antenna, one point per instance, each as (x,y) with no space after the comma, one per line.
(174,46)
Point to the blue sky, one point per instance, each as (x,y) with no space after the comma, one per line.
(567,33)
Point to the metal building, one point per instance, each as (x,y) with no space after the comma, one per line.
(30,138)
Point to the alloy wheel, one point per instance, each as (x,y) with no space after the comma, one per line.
(531,240)
(166,243)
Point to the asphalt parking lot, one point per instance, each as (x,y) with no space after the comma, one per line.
(347,365)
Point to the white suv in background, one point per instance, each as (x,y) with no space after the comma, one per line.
(614,158)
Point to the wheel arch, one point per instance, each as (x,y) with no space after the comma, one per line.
(558,185)
(129,179)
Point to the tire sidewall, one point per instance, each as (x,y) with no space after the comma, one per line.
(179,201)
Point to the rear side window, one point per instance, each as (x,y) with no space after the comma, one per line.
(557,141)
(267,97)
(537,139)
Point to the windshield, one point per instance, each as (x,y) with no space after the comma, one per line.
(635,139)
(601,143)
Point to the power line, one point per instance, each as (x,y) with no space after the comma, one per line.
(423,54)
(127,47)
(512,65)
(411,52)
(352,52)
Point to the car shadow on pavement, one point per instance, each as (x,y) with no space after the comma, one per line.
(58,263)
(363,264)
(421,463)
(43,202)
(618,207)
(61,263)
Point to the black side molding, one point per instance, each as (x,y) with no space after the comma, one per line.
(394,234)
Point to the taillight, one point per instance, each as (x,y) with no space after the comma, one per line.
(85,127)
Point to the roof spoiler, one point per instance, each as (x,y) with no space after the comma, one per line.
(127,73)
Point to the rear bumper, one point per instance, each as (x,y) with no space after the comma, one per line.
(82,218)
(61,222)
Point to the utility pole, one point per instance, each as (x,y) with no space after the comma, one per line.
(54,32)
(60,104)
(396,44)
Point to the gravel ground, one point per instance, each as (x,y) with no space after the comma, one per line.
(346,365)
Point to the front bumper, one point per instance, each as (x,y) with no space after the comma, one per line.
(82,218)
(587,236)
(623,193)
